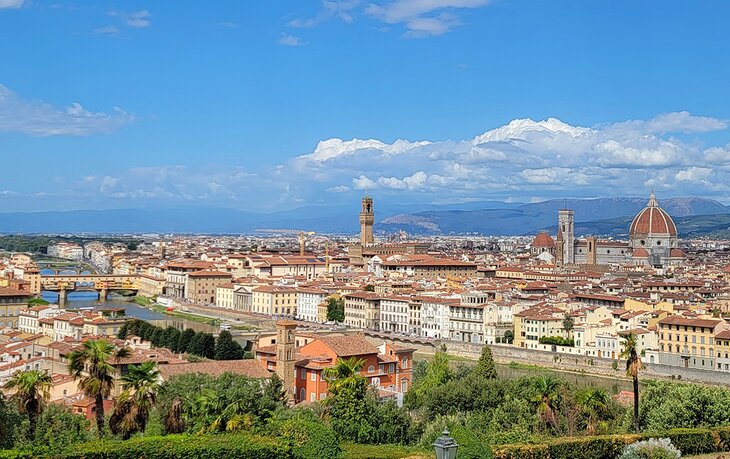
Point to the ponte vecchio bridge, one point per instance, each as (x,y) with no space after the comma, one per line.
(100,283)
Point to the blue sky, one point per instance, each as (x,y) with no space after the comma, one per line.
(274,104)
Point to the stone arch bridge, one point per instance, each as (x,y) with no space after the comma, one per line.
(100,283)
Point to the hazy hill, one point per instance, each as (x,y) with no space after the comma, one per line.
(527,218)
(488,217)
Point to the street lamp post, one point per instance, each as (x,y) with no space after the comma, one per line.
(445,446)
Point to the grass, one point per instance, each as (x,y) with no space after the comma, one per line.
(710,456)
(353,451)
(149,304)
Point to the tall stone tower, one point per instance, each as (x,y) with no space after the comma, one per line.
(592,250)
(566,227)
(367,218)
(285,360)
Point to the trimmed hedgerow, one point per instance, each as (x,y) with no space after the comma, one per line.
(688,441)
(170,447)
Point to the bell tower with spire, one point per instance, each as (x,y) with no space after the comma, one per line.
(367,218)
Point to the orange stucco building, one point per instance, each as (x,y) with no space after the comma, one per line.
(387,367)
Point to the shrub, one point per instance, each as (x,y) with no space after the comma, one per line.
(309,439)
(654,448)
(689,441)
(178,447)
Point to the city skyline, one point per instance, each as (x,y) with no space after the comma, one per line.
(454,100)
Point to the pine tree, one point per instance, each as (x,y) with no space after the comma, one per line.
(183,344)
(194,344)
(123,330)
(226,348)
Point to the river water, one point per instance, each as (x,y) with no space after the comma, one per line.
(90,300)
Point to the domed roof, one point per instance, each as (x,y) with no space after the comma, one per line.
(543,239)
(677,253)
(652,221)
(640,253)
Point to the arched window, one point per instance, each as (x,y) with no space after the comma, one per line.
(371,369)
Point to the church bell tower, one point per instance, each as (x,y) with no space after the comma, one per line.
(367,218)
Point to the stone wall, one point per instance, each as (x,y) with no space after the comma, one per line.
(505,353)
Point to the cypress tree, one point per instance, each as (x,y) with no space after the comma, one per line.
(226,348)
(485,368)
(183,344)
(172,339)
(207,346)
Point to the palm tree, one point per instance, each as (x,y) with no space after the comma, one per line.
(633,366)
(133,405)
(174,422)
(32,389)
(547,398)
(594,402)
(92,367)
(344,375)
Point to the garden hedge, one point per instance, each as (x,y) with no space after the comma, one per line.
(169,447)
(688,441)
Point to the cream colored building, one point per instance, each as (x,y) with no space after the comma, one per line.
(12,303)
(274,300)
(224,296)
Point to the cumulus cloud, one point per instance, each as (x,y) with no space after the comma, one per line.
(38,118)
(422,18)
(525,158)
(519,160)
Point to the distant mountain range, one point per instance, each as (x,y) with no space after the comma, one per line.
(603,216)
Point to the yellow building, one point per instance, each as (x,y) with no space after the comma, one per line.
(688,342)
(274,300)
(722,344)
(12,302)
(362,310)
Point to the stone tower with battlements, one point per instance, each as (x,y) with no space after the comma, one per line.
(367,218)
(285,355)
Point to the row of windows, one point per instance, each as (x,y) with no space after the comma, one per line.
(694,338)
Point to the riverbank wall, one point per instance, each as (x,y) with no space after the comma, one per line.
(506,354)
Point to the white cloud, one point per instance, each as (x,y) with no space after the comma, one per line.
(422,18)
(521,158)
(338,189)
(682,122)
(136,19)
(362,183)
(11,4)
(718,155)
(694,174)
(340,9)
(41,119)
(107,30)
(290,40)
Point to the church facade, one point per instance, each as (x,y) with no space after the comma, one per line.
(652,241)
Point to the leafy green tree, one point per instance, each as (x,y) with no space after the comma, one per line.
(594,402)
(132,408)
(346,403)
(633,366)
(31,391)
(186,337)
(369,288)
(206,346)
(509,336)
(336,309)
(158,337)
(9,421)
(92,366)
(58,428)
(226,348)
(485,368)
(437,372)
